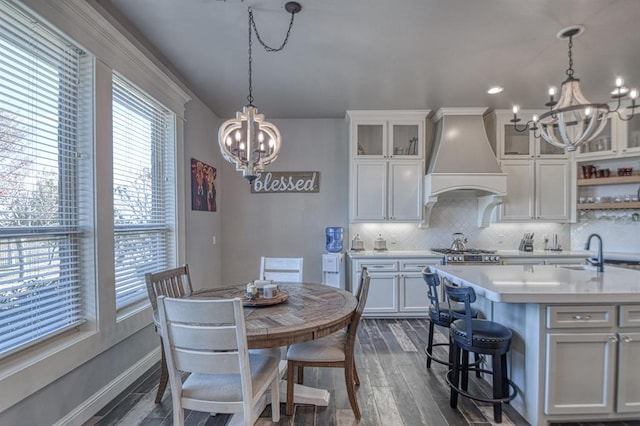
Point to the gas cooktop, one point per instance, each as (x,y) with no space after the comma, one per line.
(468,256)
(466,251)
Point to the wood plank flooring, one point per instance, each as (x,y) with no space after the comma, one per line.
(396,389)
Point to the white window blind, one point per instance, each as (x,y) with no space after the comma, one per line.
(40,291)
(143,190)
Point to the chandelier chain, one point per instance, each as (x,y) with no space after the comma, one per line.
(569,70)
(252,26)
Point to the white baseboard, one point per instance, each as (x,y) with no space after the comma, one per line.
(97,401)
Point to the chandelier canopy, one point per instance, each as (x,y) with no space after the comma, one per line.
(248,141)
(572,120)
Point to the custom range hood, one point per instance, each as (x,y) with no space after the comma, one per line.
(463,163)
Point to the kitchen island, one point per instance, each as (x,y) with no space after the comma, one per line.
(576,336)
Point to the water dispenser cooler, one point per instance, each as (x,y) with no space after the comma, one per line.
(333,262)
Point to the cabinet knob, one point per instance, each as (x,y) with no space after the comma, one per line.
(626,339)
(613,339)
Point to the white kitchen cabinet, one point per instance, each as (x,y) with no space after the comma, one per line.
(580,373)
(605,144)
(538,189)
(397,288)
(629,134)
(387,165)
(591,360)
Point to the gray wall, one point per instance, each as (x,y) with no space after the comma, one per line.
(287,225)
(200,133)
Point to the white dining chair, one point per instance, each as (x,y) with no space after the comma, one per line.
(207,339)
(281,268)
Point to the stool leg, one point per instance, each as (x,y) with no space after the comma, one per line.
(455,379)
(430,344)
(476,360)
(505,383)
(465,370)
(497,387)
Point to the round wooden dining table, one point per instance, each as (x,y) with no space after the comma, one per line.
(310,312)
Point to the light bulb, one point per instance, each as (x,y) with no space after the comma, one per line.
(515,109)
(535,118)
(272,143)
(228,141)
(633,94)
(238,135)
(261,146)
(241,146)
(552,91)
(260,136)
(619,81)
(587,111)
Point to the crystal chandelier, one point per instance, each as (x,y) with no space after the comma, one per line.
(572,120)
(248,141)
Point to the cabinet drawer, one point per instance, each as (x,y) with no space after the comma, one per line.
(580,316)
(417,264)
(630,316)
(378,265)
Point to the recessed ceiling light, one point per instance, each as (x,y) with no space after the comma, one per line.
(495,89)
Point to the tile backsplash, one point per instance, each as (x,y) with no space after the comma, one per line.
(460,215)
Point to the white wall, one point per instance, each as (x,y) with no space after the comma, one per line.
(287,225)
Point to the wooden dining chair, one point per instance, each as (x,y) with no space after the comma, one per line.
(333,351)
(281,268)
(174,282)
(207,339)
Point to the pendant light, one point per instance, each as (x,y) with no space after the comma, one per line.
(572,120)
(248,140)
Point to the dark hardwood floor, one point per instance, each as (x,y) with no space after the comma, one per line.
(396,389)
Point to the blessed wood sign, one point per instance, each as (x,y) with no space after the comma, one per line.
(280,182)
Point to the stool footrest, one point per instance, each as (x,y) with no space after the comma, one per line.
(508,398)
(443,362)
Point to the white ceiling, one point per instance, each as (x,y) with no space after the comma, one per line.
(389,54)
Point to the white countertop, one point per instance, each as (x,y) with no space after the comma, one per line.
(546,283)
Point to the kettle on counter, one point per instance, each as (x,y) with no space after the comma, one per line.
(459,242)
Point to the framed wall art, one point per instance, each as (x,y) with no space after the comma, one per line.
(203,186)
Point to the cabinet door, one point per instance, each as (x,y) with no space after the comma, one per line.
(383,293)
(406,139)
(629,134)
(405,190)
(628,373)
(604,145)
(580,373)
(413,293)
(369,191)
(518,203)
(369,139)
(553,190)
(515,144)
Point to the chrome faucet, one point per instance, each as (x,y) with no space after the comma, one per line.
(600,261)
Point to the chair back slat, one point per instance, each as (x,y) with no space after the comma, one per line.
(465,296)
(201,362)
(200,338)
(174,282)
(357,314)
(281,268)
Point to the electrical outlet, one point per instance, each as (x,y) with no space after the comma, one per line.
(213,240)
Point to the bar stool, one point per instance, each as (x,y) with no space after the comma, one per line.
(442,317)
(480,336)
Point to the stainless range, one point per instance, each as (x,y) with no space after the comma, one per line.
(468,256)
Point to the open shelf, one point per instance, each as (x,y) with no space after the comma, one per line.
(603,206)
(609,180)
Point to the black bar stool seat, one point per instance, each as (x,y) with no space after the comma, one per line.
(480,336)
(441,316)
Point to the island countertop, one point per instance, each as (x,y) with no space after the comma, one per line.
(546,283)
